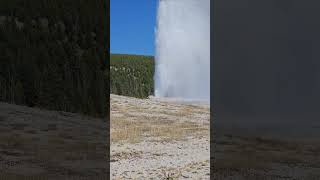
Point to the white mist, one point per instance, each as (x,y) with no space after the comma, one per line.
(183,49)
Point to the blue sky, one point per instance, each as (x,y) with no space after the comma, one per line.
(132,26)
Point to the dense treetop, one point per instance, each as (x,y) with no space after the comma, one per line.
(53,54)
(131,75)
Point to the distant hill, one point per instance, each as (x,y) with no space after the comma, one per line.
(130,57)
(131,75)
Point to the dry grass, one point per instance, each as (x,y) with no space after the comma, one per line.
(257,153)
(8,176)
(124,129)
(132,120)
(14,141)
(256,158)
(37,144)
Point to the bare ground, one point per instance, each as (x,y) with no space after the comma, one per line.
(240,157)
(159,139)
(40,144)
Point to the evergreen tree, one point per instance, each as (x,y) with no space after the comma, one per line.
(53,55)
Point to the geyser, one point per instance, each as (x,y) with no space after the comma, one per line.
(183,49)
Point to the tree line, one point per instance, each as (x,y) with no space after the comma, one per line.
(54,54)
(131,75)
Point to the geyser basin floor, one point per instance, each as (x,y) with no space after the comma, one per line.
(196,102)
(156,139)
(41,144)
(251,158)
(244,155)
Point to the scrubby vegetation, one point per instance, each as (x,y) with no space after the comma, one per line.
(131,75)
(53,54)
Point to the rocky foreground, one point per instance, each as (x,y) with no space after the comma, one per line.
(159,139)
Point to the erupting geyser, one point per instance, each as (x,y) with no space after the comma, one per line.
(183,49)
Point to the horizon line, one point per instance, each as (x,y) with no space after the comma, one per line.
(132,54)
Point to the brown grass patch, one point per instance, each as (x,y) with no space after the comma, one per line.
(135,120)
(132,130)
(259,153)
(9,176)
